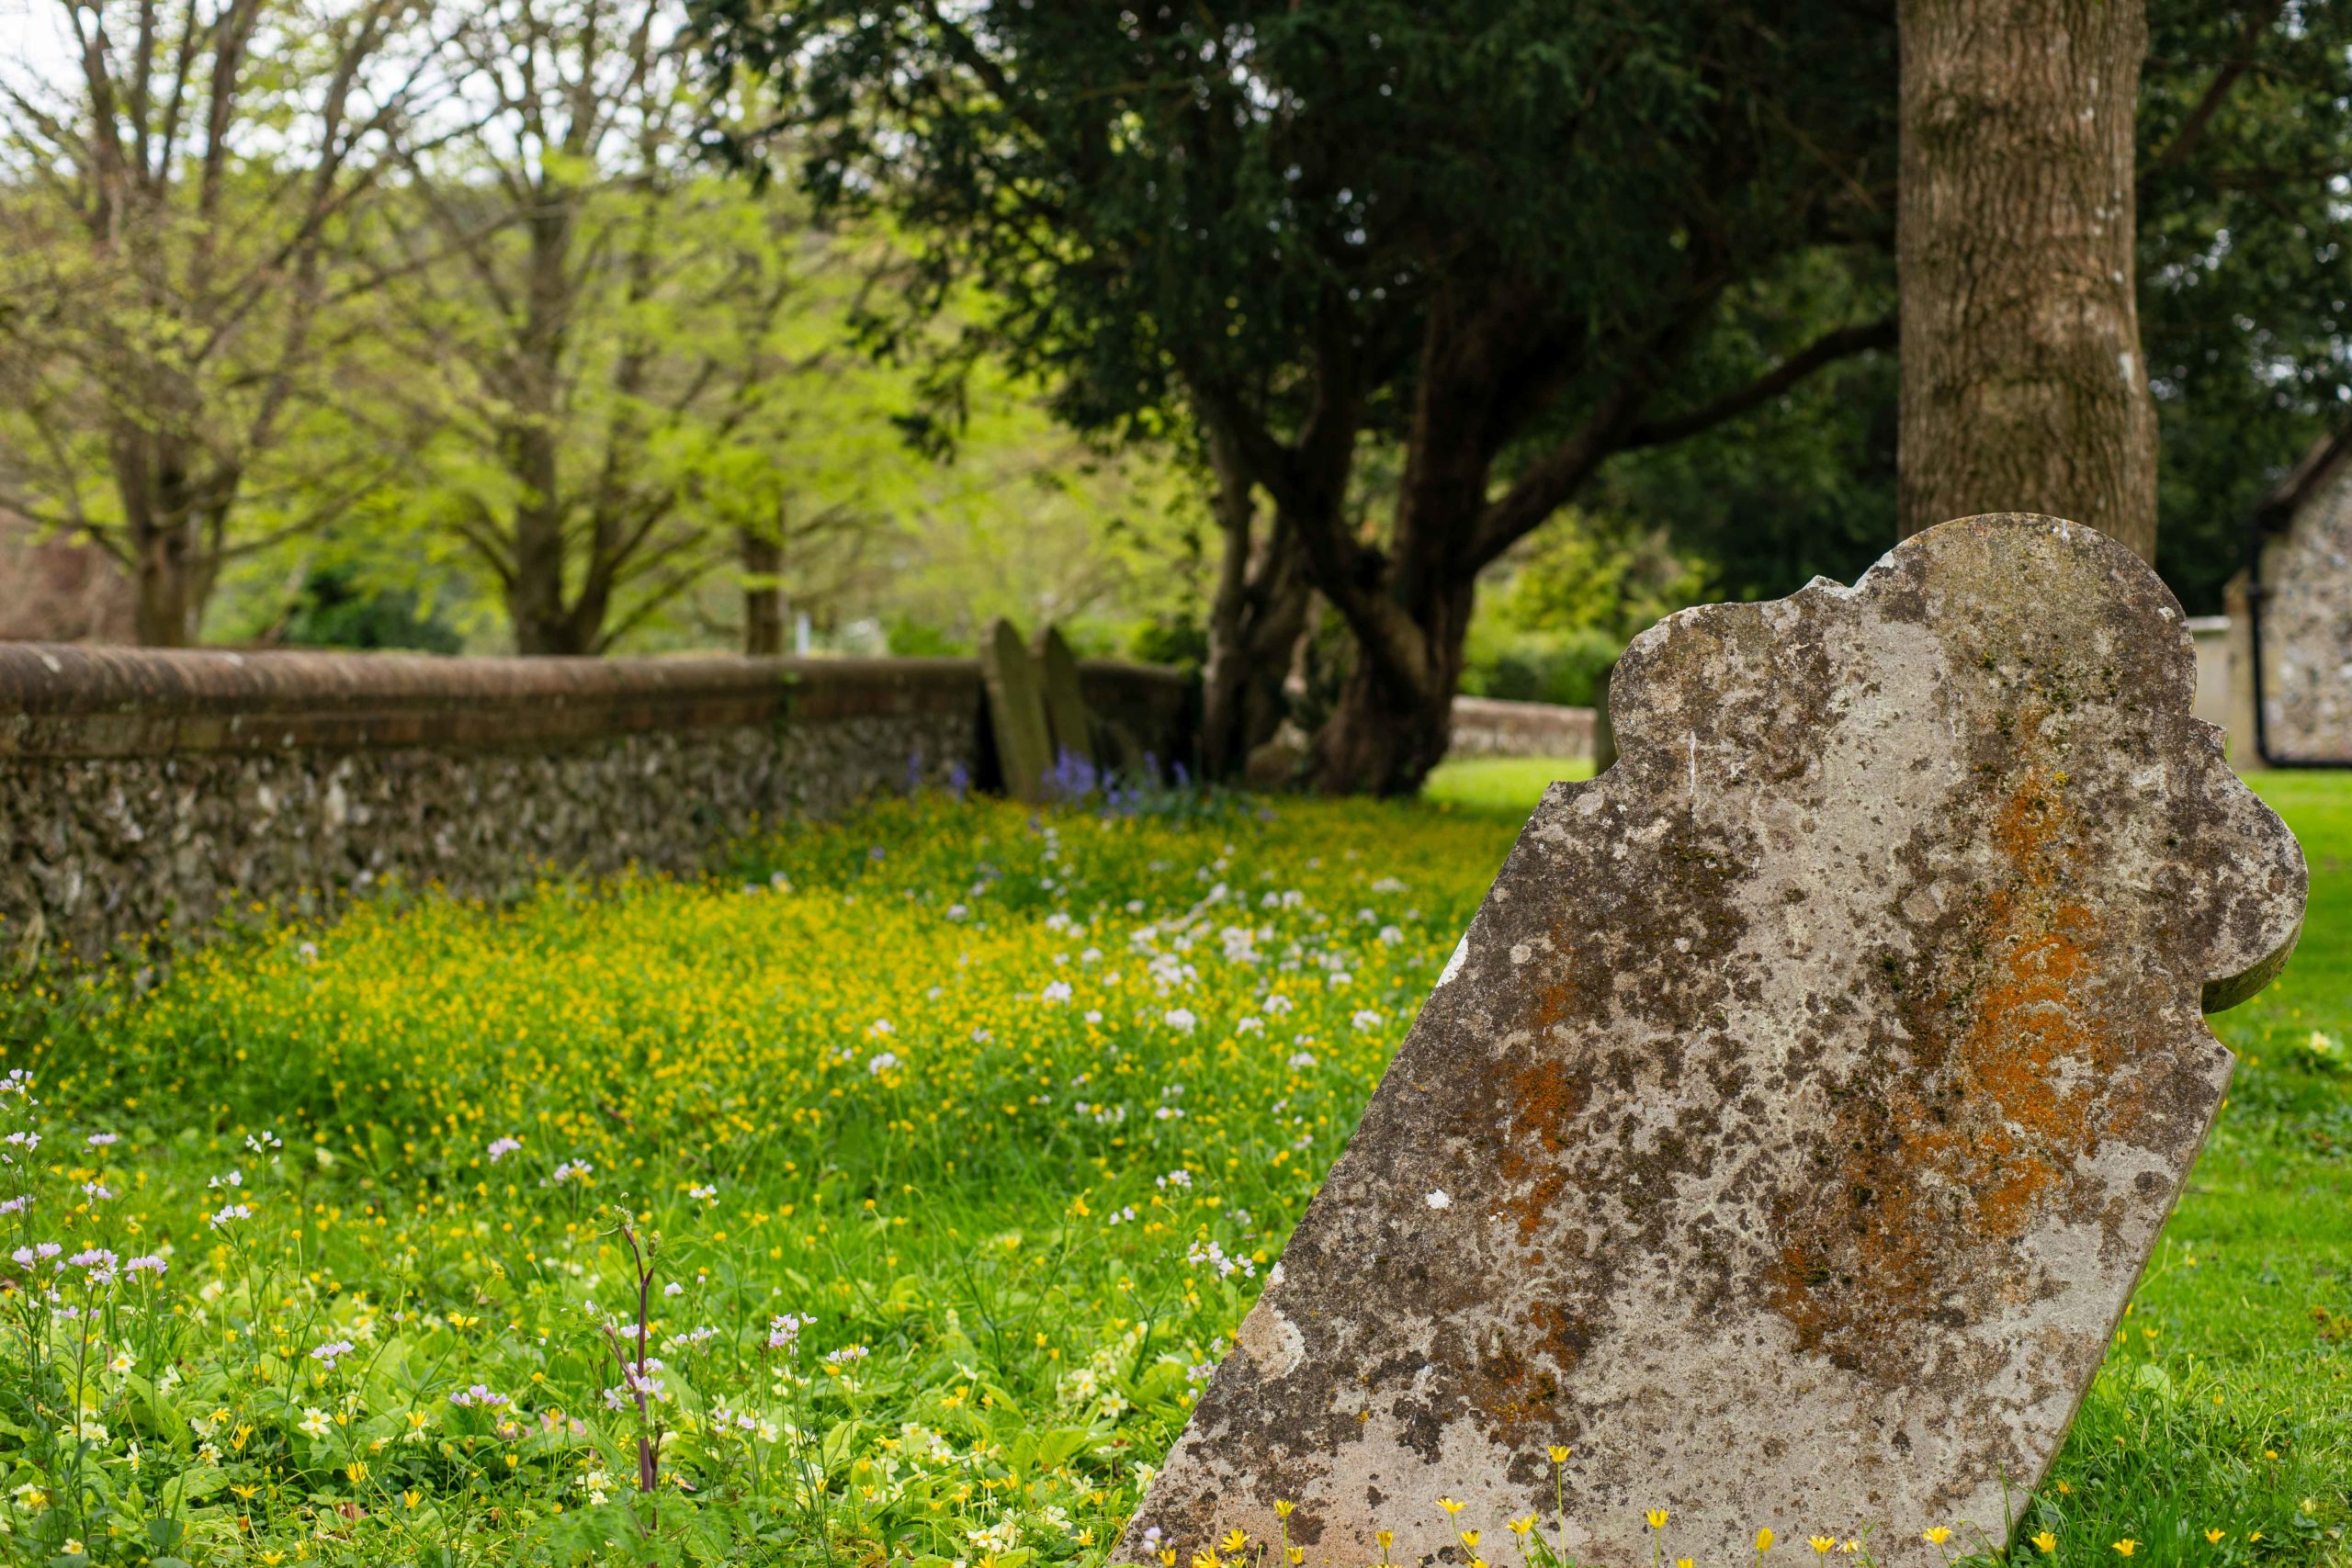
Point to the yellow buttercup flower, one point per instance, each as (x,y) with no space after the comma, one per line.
(1234,1540)
(1470,1539)
(1298,1554)
(1822,1544)
(2214,1537)
(1559,1453)
(1386,1539)
(1764,1541)
(2046,1542)
(1282,1508)
(1935,1535)
(1521,1526)
(2126,1547)
(1450,1505)
(1656,1516)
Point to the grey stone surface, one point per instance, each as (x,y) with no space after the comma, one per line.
(1793,1124)
(1024,749)
(103,849)
(1067,720)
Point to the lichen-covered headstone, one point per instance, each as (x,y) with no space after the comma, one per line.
(1065,715)
(1016,712)
(1786,1136)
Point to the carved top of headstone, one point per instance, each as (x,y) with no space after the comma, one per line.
(1016,712)
(1787,1134)
(1065,715)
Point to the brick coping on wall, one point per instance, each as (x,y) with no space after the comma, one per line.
(66,700)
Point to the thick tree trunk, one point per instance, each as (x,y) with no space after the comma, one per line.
(161,615)
(2024,389)
(158,506)
(1255,622)
(763,562)
(1391,726)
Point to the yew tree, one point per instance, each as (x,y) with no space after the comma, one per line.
(1507,235)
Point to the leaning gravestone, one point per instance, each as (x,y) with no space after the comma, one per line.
(1066,713)
(1016,712)
(1788,1133)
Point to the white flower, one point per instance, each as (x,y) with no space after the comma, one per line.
(881,1062)
(1181,1020)
(1300,1061)
(1438,1200)
(1279,1004)
(315,1422)
(1365,1020)
(1058,991)
(1251,1025)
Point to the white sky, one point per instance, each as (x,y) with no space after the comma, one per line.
(33,38)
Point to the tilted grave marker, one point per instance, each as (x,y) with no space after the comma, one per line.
(1016,712)
(1065,715)
(1786,1136)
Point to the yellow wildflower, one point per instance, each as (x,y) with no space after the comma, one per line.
(1935,1535)
(1656,1516)
(2046,1542)
(2126,1547)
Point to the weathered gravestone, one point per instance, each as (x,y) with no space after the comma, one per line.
(1065,715)
(1016,712)
(1788,1132)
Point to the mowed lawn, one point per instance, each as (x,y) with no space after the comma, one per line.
(891,1197)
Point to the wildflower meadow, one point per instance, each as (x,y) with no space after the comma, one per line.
(888,1198)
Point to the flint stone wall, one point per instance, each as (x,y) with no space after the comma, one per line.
(145,794)
(1489,726)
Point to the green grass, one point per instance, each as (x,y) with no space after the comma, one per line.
(1509,786)
(840,1081)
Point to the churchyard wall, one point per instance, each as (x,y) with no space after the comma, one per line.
(1486,726)
(147,796)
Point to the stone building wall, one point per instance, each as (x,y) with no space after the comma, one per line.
(2307,628)
(145,794)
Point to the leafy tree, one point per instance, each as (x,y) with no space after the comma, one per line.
(2246,275)
(596,311)
(1504,234)
(173,210)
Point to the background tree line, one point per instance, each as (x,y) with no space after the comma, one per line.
(1359,350)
